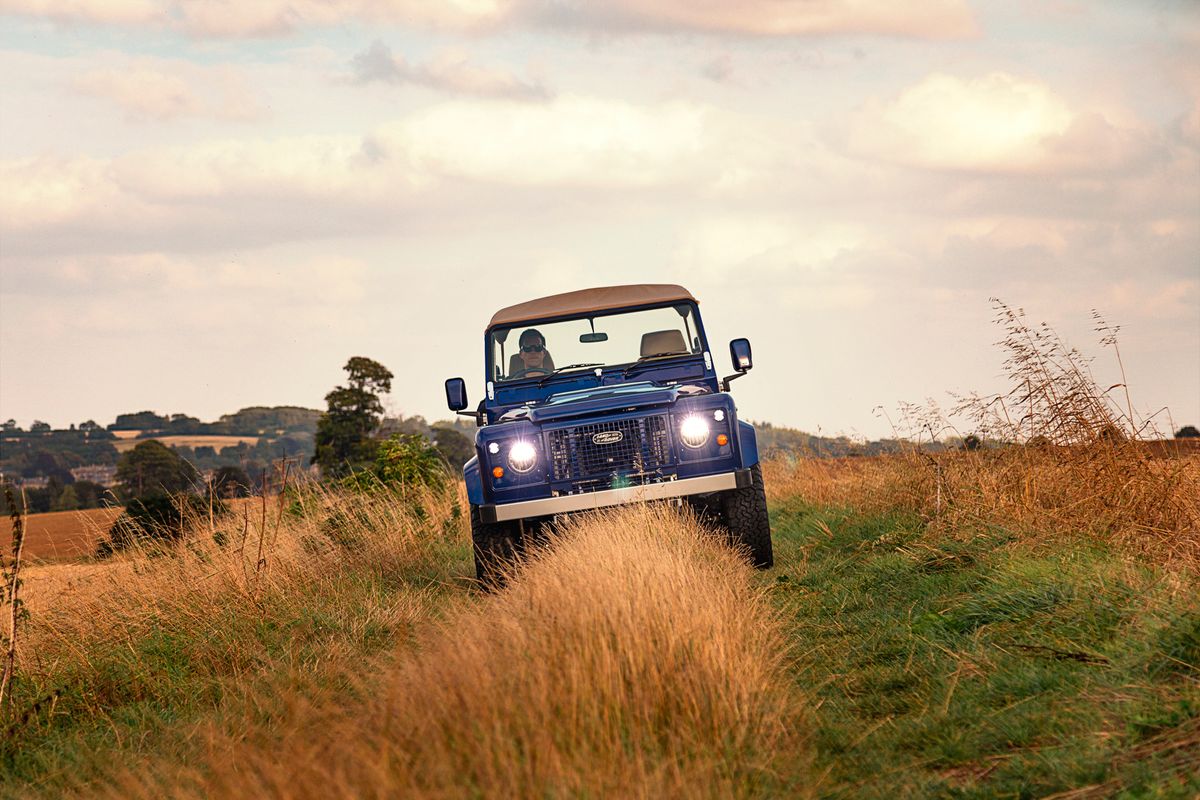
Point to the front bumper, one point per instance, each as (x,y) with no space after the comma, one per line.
(585,501)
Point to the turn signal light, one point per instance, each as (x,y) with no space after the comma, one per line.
(497,472)
(722,439)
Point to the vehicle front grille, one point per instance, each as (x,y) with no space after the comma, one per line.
(587,451)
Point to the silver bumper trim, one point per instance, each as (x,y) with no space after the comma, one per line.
(567,503)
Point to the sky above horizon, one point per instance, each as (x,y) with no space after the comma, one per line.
(207,204)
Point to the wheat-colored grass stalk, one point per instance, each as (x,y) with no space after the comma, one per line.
(632,658)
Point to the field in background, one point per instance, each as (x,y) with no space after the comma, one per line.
(61,535)
(126,442)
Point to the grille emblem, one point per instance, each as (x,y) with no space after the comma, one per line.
(607,437)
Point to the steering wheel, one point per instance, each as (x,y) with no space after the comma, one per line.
(528,372)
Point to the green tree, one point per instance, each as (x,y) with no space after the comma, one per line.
(343,438)
(231,481)
(454,447)
(68,500)
(153,468)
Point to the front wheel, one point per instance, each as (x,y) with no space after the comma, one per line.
(745,513)
(496,546)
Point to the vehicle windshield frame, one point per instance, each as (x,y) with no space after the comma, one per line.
(489,360)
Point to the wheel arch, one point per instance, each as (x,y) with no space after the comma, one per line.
(747,444)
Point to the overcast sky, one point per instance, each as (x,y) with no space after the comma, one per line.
(209,204)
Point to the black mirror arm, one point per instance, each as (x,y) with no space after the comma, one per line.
(726,381)
(475,415)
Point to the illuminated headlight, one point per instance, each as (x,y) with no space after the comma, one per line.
(694,431)
(522,457)
(719,415)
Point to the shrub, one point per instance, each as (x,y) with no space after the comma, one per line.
(158,517)
(402,461)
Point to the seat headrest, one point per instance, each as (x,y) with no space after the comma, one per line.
(659,342)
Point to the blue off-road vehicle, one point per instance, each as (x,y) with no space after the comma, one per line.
(603,397)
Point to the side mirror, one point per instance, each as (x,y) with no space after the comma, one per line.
(739,351)
(456,394)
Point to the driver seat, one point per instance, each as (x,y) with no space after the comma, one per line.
(515,364)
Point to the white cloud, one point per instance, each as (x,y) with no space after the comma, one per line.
(450,71)
(933,19)
(997,122)
(245,191)
(160,90)
(577,141)
(127,12)
(259,18)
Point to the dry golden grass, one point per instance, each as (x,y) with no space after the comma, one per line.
(193,590)
(1117,491)
(634,658)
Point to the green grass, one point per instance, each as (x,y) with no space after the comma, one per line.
(973,665)
(977,666)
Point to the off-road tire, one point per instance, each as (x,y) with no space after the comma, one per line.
(496,546)
(745,513)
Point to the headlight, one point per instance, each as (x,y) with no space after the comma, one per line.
(694,431)
(522,456)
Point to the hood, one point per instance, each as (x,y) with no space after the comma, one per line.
(626,397)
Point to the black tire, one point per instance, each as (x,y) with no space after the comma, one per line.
(745,513)
(496,545)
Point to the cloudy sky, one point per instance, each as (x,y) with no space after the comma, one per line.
(208,204)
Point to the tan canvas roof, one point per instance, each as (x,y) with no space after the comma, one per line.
(585,300)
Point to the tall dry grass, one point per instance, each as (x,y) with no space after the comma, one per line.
(1055,453)
(89,623)
(633,658)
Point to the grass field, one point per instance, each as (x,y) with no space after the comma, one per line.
(983,647)
(125,443)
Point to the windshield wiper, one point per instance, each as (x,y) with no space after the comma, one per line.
(570,366)
(641,361)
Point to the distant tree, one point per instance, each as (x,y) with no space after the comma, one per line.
(139,421)
(1187,432)
(971,442)
(343,438)
(67,500)
(38,501)
(39,427)
(453,446)
(231,481)
(89,494)
(53,465)
(89,426)
(152,468)
(205,452)
(10,426)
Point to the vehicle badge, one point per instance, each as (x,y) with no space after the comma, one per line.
(607,437)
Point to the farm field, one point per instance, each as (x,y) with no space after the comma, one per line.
(896,650)
(125,443)
(61,535)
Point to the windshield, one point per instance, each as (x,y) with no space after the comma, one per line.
(587,343)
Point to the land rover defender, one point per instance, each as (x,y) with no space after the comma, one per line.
(603,397)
